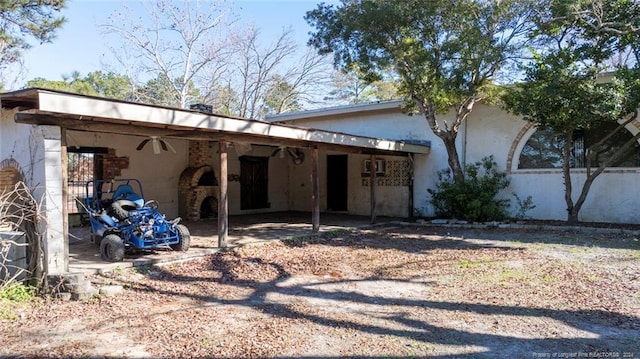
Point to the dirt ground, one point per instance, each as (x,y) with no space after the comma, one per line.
(400,291)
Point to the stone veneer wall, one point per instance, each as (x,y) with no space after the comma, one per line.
(201,153)
(113,165)
(191,195)
(10,174)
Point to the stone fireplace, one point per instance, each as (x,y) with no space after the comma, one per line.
(198,186)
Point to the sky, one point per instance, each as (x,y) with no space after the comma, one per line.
(79,45)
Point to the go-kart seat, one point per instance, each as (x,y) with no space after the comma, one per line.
(126,192)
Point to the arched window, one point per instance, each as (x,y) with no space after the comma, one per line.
(544,148)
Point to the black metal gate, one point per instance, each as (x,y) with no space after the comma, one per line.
(80,169)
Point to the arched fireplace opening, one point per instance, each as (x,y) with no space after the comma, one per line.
(208,179)
(198,188)
(209,208)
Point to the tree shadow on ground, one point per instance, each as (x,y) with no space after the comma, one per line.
(603,331)
(495,236)
(399,238)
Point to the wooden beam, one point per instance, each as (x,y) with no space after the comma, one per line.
(223,198)
(65,196)
(315,189)
(410,204)
(372,187)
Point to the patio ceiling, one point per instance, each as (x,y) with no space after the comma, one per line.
(95,114)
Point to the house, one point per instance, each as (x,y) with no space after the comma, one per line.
(366,159)
(527,155)
(194,164)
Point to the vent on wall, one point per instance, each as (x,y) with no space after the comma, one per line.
(380,167)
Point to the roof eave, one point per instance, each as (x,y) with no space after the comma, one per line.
(80,107)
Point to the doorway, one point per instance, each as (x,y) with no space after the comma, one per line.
(337,182)
(83,164)
(254,182)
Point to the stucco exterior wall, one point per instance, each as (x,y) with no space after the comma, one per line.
(491,131)
(611,198)
(392,196)
(160,173)
(278,179)
(299,182)
(37,150)
(56,245)
(24,144)
(391,199)
(396,125)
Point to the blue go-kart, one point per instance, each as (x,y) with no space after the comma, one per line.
(121,221)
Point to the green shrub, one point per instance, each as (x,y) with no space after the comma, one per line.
(524,206)
(474,199)
(16,292)
(12,296)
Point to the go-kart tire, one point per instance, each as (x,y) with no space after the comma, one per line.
(112,248)
(120,209)
(96,239)
(185,239)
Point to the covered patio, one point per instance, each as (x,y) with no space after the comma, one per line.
(84,256)
(55,121)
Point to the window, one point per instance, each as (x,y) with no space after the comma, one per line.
(380,167)
(544,148)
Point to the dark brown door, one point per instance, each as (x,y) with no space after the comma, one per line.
(254,184)
(337,190)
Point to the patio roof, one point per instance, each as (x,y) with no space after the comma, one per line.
(96,114)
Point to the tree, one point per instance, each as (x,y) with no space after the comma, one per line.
(176,40)
(281,97)
(111,85)
(563,91)
(159,91)
(188,56)
(265,74)
(446,53)
(352,87)
(20,19)
(95,83)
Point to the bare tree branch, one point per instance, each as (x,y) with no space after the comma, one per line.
(175,41)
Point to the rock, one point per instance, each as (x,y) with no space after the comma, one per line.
(111,290)
(65,297)
(440,221)
(85,294)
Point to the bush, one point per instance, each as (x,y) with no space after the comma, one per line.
(12,296)
(524,206)
(16,292)
(474,199)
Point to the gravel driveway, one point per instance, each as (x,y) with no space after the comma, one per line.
(400,291)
